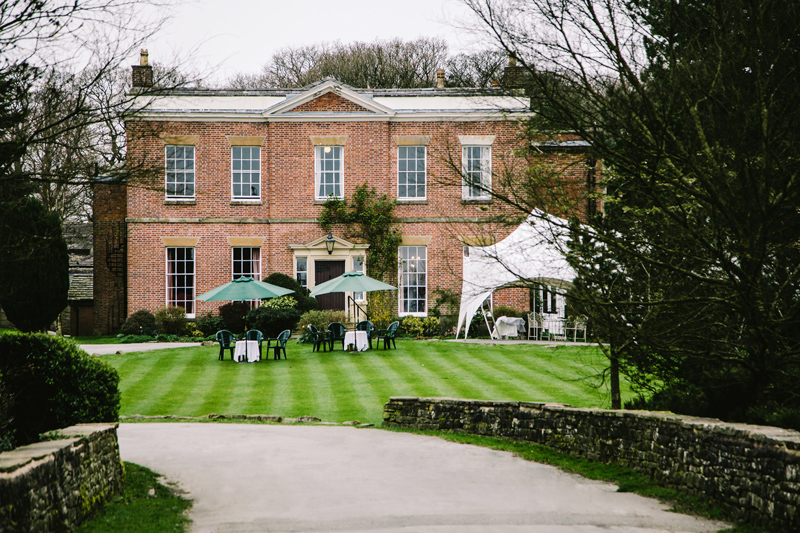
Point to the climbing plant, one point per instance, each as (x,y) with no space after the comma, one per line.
(370,217)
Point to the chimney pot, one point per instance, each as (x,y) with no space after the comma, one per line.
(512,59)
(440,78)
(142,75)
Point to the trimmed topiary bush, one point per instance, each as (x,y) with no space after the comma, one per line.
(52,384)
(233,315)
(271,322)
(304,301)
(139,323)
(171,320)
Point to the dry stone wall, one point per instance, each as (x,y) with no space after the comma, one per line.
(55,485)
(751,471)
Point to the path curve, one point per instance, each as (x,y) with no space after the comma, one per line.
(274,478)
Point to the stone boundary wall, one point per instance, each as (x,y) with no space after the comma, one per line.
(55,485)
(753,472)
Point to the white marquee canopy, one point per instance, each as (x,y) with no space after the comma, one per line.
(533,252)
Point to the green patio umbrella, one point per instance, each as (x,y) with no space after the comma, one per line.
(242,289)
(352,281)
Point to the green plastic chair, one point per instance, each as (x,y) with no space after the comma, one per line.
(388,335)
(280,343)
(255,335)
(226,341)
(337,331)
(319,338)
(369,327)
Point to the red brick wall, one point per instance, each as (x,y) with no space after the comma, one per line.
(109,206)
(329,102)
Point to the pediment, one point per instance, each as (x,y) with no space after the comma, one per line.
(329,98)
(319,244)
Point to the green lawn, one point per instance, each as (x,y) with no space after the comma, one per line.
(339,386)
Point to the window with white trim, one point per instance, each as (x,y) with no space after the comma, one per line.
(180,278)
(411,172)
(413,280)
(301,271)
(246,262)
(246,172)
(358,266)
(179,161)
(328,172)
(477,172)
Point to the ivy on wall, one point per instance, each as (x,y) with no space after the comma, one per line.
(369,217)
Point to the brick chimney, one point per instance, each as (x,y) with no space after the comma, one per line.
(515,77)
(142,73)
(440,78)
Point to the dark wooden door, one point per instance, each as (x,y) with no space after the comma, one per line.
(323,271)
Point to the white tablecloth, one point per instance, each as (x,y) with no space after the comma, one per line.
(246,352)
(358,338)
(508,327)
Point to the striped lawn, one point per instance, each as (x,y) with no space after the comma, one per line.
(339,386)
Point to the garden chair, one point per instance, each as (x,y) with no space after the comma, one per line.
(226,341)
(255,335)
(280,343)
(577,326)
(336,331)
(319,338)
(369,327)
(388,335)
(534,326)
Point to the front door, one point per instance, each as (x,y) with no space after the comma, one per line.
(323,271)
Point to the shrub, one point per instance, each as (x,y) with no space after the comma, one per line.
(421,327)
(171,320)
(271,322)
(139,323)
(321,318)
(209,324)
(233,315)
(282,302)
(53,384)
(304,301)
(505,310)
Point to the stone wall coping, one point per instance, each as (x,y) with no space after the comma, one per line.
(13,460)
(790,439)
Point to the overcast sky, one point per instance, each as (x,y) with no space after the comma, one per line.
(223,37)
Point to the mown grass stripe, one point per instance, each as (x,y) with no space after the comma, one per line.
(303,396)
(482,374)
(180,391)
(141,395)
(463,384)
(411,364)
(219,397)
(381,363)
(194,396)
(366,393)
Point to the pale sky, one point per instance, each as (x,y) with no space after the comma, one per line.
(223,37)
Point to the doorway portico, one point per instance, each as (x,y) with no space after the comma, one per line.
(313,264)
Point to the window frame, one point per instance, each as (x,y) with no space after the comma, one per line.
(362,267)
(257,262)
(416,172)
(167,169)
(403,286)
(485,172)
(249,172)
(175,302)
(297,271)
(319,151)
